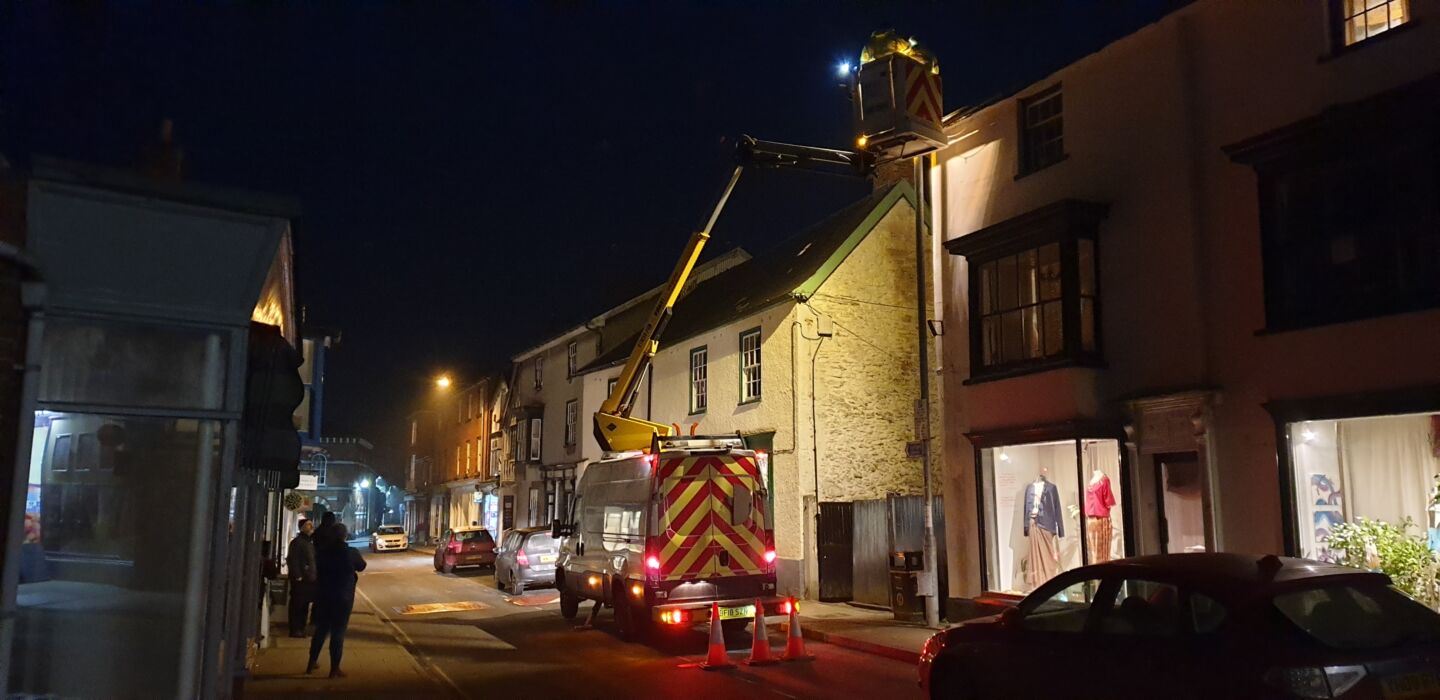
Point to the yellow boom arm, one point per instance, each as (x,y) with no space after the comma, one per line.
(615,430)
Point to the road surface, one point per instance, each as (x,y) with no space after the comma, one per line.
(499,646)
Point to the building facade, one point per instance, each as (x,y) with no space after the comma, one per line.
(1188,272)
(810,352)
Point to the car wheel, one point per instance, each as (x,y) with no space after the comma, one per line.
(569,604)
(449,568)
(630,619)
(517,587)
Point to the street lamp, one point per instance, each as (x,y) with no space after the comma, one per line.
(443,381)
(365,484)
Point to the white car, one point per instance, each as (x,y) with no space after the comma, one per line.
(389,538)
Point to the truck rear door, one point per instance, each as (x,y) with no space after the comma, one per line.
(711,517)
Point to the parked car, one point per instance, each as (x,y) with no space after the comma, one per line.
(526,557)
(389,538)
(1196,626)
(466,546)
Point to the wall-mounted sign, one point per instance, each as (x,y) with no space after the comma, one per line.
(308,482)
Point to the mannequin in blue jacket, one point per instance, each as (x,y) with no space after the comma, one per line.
(1043,527)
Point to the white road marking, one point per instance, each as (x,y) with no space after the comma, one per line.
(410,648)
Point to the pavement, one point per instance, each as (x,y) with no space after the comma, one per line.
(420,633)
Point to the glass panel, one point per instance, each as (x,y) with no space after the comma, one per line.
(1206,613)
(1359,617)
(1013,347)
(1054,321)
(1066,610)
(1104,528)
(1009,285)
(1086,248)
(105,566)
(1377,20)
(1354,30)
(990,339)
(1087,324)
(1144,608)
(1049,271)
(1029,282)
(1378,468)
(132,365)
(1034,527)
(987,288)
(1034,341)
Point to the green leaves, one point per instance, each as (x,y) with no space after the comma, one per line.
(1378,545)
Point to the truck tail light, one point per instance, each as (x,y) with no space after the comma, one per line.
(769,556)
(1316,682)
(652,563)
(675,617)
(787,606)
(521,558)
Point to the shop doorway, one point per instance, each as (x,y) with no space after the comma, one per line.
(1180,501)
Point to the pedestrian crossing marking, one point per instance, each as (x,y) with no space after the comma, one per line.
(429,608)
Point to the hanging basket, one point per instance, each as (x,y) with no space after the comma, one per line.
(293,501)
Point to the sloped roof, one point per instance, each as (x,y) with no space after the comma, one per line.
(793,269)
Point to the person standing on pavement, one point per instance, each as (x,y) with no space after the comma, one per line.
(338,566)
(301,562)
(327,522)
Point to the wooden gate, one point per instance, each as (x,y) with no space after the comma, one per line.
(835,541)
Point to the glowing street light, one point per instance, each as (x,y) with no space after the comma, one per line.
(843,69)
(443,381)
(365,484)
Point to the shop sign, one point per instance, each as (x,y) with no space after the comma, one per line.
(308,482)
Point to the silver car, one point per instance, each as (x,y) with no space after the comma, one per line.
(526,557)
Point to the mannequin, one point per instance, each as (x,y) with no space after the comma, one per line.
(1043,527)
(1099,530)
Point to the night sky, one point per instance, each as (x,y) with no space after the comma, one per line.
(476,176)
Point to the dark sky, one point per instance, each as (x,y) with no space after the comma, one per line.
(475,176)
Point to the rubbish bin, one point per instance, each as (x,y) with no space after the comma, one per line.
(905,568)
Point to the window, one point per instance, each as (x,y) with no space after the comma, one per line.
(1358,616)
(536,431)
(1042,134)
(1063,610)
(480,463)
(572,417)
(1357,20)
(517,447)
(539,371)
(1206,613)
(467,457)
(699,374)
(572,352)
(621,528)
(494,455)
(414,432)
(1049,507)
(1034,290)
(1348,230)
(750,366)
(320,464)
(1145,608)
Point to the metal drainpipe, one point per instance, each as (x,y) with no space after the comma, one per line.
(815,424)
(32,298)
(928,576)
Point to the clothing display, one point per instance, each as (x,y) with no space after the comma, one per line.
(1098,533)
(1099,499)
(1044,560)
(1043,510)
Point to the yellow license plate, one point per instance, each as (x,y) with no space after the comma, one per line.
(547,558)
(743,612)
(1424,684)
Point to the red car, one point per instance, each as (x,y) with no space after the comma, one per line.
(1196,626)
(466,546)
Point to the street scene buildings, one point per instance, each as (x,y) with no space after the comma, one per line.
(1175,294)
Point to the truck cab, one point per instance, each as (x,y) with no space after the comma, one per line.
(659,536)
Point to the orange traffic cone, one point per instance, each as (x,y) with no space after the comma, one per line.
(760,641)
(716,658)
(795,642)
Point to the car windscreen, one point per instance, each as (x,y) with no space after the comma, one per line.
(1359,616)
(391,530)
(475,537)
(541,542)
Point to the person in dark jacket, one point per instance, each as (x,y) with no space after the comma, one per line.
(327,523)
(300,561)
(338,565)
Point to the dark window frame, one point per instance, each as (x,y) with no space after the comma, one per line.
(695,407)
(1397,128)
(1065,222)
(572,425)
(1031,158)
(759,365)
(1338,20)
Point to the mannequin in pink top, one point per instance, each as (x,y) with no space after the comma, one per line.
(1098,528)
